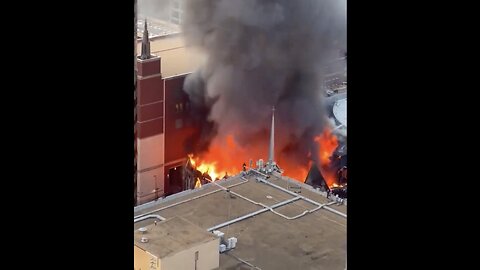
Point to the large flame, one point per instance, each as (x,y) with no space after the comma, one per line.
(205,168)
(294,170)
(225,157)
(327,143)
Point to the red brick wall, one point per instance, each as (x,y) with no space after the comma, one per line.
(149,102)
(149,90)
(150,111)
(150,128)
(149,68)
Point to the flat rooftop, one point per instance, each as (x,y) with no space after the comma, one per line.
(156,27)
(176,58)
(168,43)
(171,236)
(316,240)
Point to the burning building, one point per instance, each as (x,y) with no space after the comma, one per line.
(331,175)
(262,54)
(257,54)
(211,130)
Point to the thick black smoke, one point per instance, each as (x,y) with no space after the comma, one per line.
(263,53)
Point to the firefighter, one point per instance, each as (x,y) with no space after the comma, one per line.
(343,175)
(244,167)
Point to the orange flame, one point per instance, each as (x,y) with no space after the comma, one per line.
(327,143)
(293,170)
(198,184)
(205,168)
(192,161)
(226,157)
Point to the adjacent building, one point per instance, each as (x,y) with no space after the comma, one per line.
(278,224)
(175,244)
(161,114)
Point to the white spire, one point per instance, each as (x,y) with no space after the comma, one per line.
(272,140)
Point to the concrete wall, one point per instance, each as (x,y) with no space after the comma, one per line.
(208,258)
(150,161)
(151,152)
(146,185)
(143,260)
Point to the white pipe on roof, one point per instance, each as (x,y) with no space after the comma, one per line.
(304,212)
(282,215)
(147,217)
(216,227)
(302,197)
(271,208)
(191,199)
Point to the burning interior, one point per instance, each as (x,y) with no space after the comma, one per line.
(327,171)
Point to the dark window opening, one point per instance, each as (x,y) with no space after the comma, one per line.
(175,179)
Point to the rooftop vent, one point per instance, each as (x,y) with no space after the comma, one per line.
(144,239)
(143,230)
(219,234)
(231,242)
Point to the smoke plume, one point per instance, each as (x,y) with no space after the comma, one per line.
(263,53)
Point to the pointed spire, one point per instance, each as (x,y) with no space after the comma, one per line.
(145,43)
(272,139)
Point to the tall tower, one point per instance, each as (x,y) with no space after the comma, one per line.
(149,137)
(271,152)
(271,164)
(145,43)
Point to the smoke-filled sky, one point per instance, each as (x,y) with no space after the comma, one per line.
(264,53)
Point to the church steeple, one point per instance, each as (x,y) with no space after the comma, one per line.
(145,44)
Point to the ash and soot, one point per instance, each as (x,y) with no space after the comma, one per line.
(262,53)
